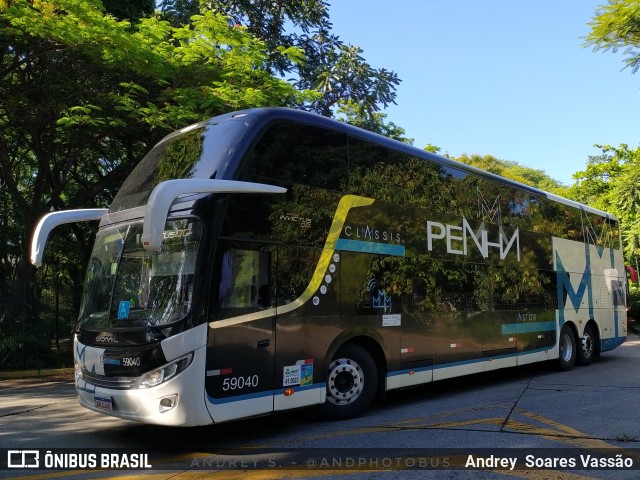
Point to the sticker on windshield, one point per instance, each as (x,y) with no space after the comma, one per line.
(123,309)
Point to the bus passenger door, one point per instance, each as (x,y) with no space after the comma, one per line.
(241,341)
(308,286)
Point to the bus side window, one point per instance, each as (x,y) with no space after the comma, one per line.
(243,283)
(523,289)
(299,154)
(549,289)
(465,287)
(446,286)
(296,266)
(375,284)
(382,173)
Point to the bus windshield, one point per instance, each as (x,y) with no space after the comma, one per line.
(126,286)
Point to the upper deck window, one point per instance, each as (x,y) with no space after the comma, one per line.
(203,152)
(298,153)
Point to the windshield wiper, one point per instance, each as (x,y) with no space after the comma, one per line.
(154,330)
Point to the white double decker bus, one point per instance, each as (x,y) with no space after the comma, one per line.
(273,259)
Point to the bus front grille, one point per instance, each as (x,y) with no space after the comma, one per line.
(116,383)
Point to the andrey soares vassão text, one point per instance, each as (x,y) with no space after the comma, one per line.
(585,461)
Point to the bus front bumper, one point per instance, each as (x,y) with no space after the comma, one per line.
(177,402)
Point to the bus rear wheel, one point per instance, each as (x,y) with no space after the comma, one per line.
(587,348)
(567,358)
(352,383)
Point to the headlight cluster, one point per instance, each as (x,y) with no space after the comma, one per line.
(164,373)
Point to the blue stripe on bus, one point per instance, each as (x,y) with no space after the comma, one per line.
(267,393)
(369,247)
(514,328)
(238,398)
(607,344)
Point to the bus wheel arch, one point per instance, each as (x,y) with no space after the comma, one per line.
(588,345)
(353,375)
(567,348)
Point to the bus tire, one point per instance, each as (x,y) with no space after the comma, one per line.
(586,353)
(567,348)
(352,383)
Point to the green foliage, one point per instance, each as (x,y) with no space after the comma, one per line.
(348,77)
(352,112)
(299,44)
(83,96)
(611,182)
(633,312)
(615,26)
(431,148)
(99,94)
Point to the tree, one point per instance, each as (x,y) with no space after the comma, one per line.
(615,26)
(611,179)
(336,70)
(265,19)
(350,112)
(611,182)
(431,148)
(343,75)
(83,96)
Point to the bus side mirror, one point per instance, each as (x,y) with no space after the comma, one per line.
(165,193)
(52,220)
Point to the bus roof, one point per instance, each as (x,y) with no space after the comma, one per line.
(269,115)
(258,119)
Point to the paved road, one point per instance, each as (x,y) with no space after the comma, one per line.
(527,408)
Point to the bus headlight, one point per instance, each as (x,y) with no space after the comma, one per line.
(164,373)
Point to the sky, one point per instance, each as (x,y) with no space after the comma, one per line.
(507,78)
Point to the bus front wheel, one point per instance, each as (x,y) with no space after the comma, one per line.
(352,383)
(567,346)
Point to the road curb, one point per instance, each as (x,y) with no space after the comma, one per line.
(36,373)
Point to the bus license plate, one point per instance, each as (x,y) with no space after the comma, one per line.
(104,403)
